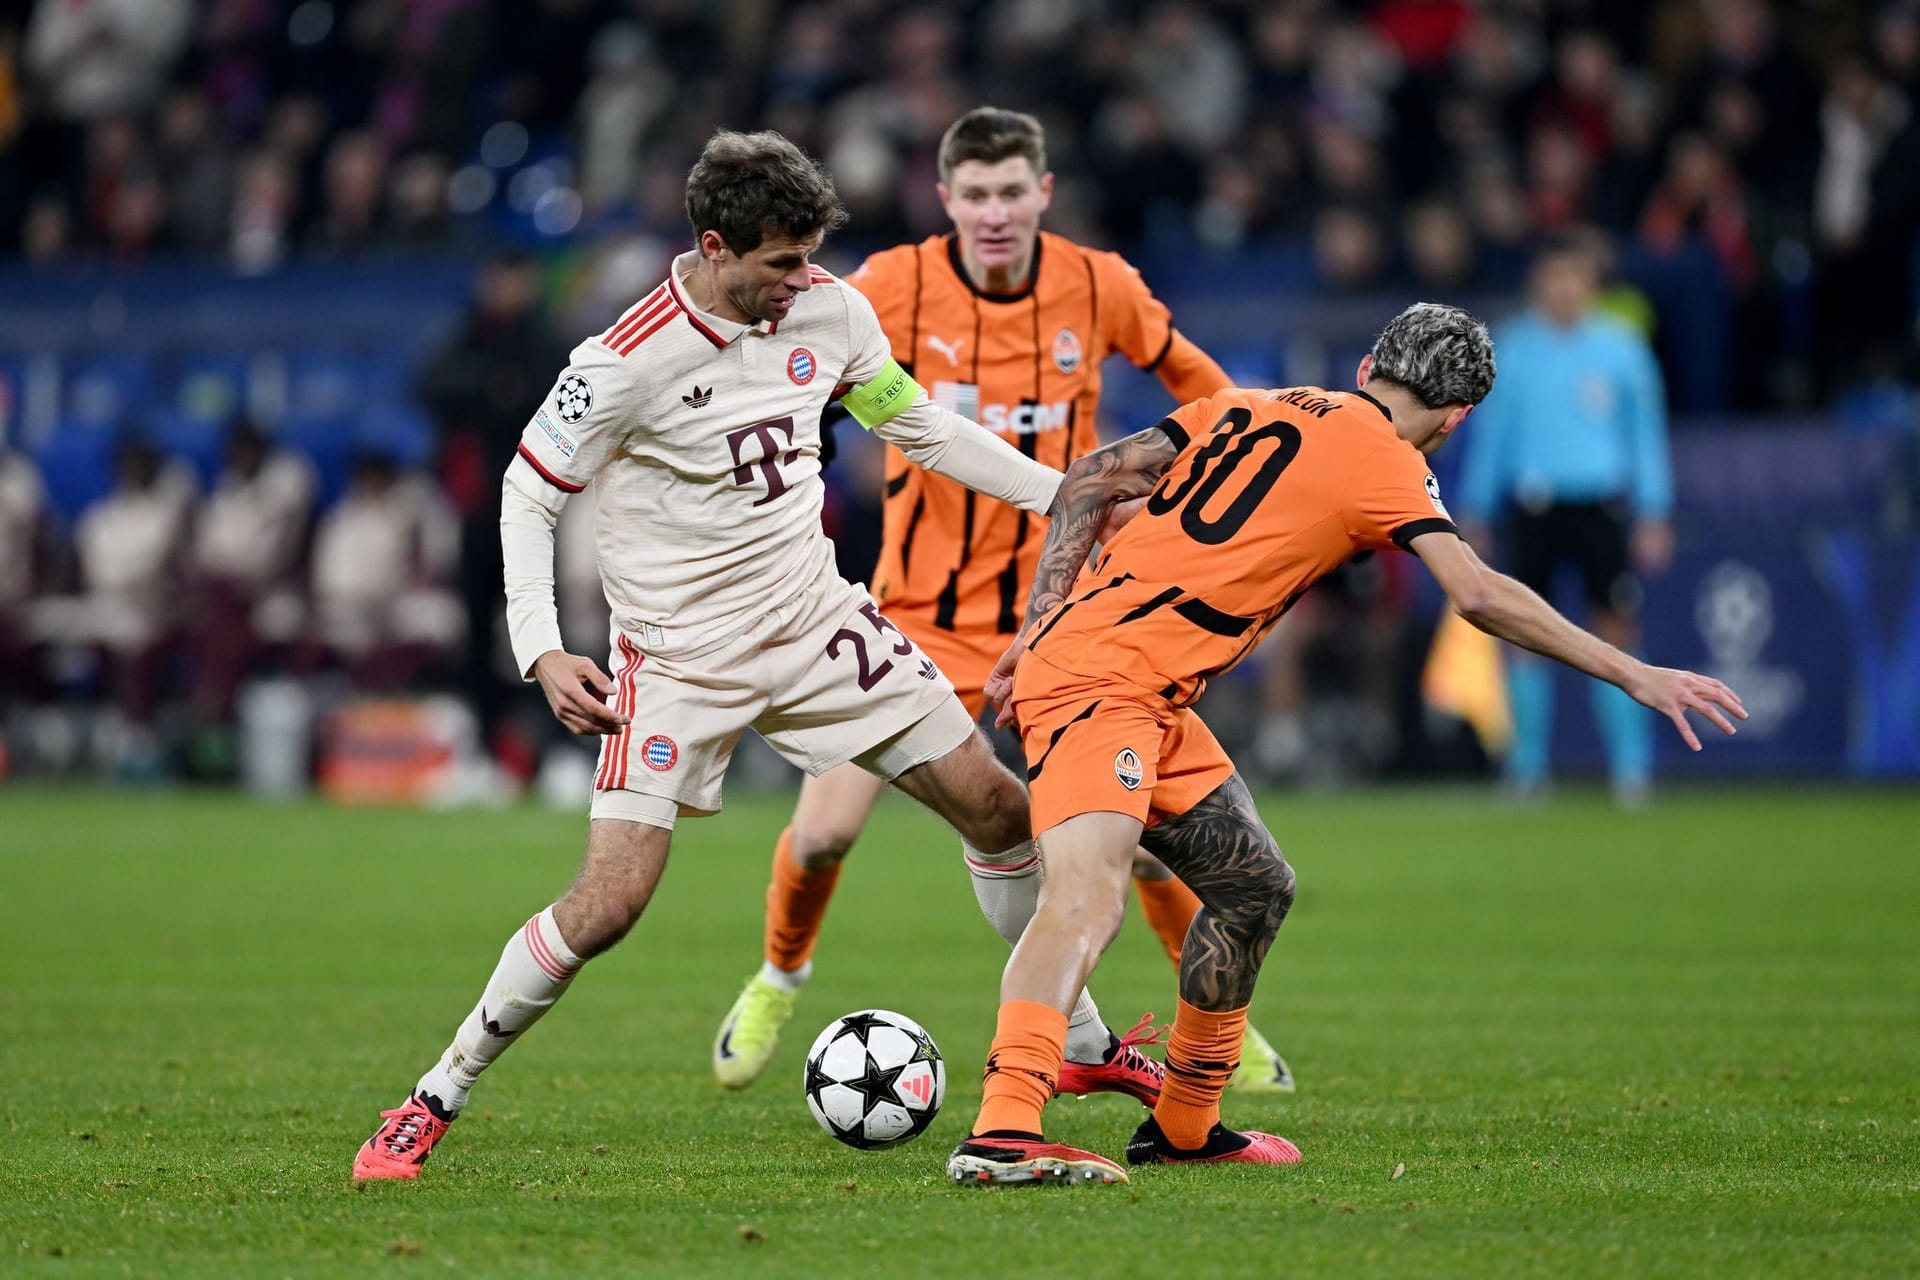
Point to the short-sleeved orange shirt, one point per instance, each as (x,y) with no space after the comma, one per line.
(1271,490)
(1026,365)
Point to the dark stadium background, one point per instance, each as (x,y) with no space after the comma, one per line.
(281,212)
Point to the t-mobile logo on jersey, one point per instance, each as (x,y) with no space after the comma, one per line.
(770,449)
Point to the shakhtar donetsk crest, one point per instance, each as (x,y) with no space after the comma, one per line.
(1126,767)
(1066,351)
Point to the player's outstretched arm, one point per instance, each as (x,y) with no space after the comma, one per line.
(1503,607)
(1117,474)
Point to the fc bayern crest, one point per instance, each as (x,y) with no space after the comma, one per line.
(1066,351)
(801,366)
(574,398)
(1126,767)
(659,753)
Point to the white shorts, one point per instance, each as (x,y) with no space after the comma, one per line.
(824,678)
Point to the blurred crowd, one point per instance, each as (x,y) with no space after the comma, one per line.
(1397,146)
(1420,141)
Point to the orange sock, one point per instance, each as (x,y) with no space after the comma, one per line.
(1022,1067)
(1169,907)
(796,903)
(1202,1053)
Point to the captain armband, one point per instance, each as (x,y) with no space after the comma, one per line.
(882,398)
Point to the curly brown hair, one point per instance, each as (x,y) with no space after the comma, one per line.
(752,186)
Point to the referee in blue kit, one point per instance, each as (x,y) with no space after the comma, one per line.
(1568,455)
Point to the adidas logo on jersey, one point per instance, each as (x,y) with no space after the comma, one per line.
(699,398)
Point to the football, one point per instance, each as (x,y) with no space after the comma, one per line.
(875,1079)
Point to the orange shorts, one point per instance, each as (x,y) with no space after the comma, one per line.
(965,658)
(1099,745)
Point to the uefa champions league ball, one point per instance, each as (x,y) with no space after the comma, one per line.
(874,1079)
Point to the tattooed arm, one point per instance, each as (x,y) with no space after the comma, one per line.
(1122,471)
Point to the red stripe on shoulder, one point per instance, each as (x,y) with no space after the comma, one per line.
(628,322)
(654,325)
(552,479)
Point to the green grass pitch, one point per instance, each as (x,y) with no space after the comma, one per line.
(1552,1042)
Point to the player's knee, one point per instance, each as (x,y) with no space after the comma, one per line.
(591,923)
(817,846)
(1265,896)
(1284,882)
(992,815)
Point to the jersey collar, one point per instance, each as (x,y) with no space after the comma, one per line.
(715,329)
(960,269)
(1384,411)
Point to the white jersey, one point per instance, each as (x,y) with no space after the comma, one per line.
(703,436)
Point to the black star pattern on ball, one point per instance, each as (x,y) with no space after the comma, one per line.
(877,1085)
(862,1025)
(923,1049)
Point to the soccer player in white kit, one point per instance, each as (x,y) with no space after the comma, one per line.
(698,414)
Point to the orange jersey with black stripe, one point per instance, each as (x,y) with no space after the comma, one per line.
(1026,365)
(1271,490)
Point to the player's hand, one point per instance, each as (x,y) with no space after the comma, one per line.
(1000,683)
(1673,693)
(577,690)
(1119,515)
(1651,544)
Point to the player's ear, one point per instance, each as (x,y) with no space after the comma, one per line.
(713,246)
(946,197)
(1365,371)
(1455,416)
(1046,190)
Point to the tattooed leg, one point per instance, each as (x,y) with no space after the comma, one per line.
(1229,859)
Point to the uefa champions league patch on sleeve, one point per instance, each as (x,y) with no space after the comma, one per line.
(561,440)
(574,398)
(1126,767)
(1433,495)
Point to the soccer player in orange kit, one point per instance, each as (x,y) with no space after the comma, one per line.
(1250,497)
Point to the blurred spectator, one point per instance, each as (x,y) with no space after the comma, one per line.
(1442,257)
(356,172)
(1700,198)
(383,557)
(22,512)
(264,204)
(129,547)
(1569,455)
(1349,250)
(93,58)
(1861,311)
(482,387)
(622,101)
(246,547)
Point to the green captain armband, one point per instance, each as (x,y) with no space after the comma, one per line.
(882,398)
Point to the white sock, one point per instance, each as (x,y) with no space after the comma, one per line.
(786,979)
(1008,887)
(1087,1034)
(535,969)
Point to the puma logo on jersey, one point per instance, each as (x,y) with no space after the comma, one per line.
(699,398)
(951,350)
